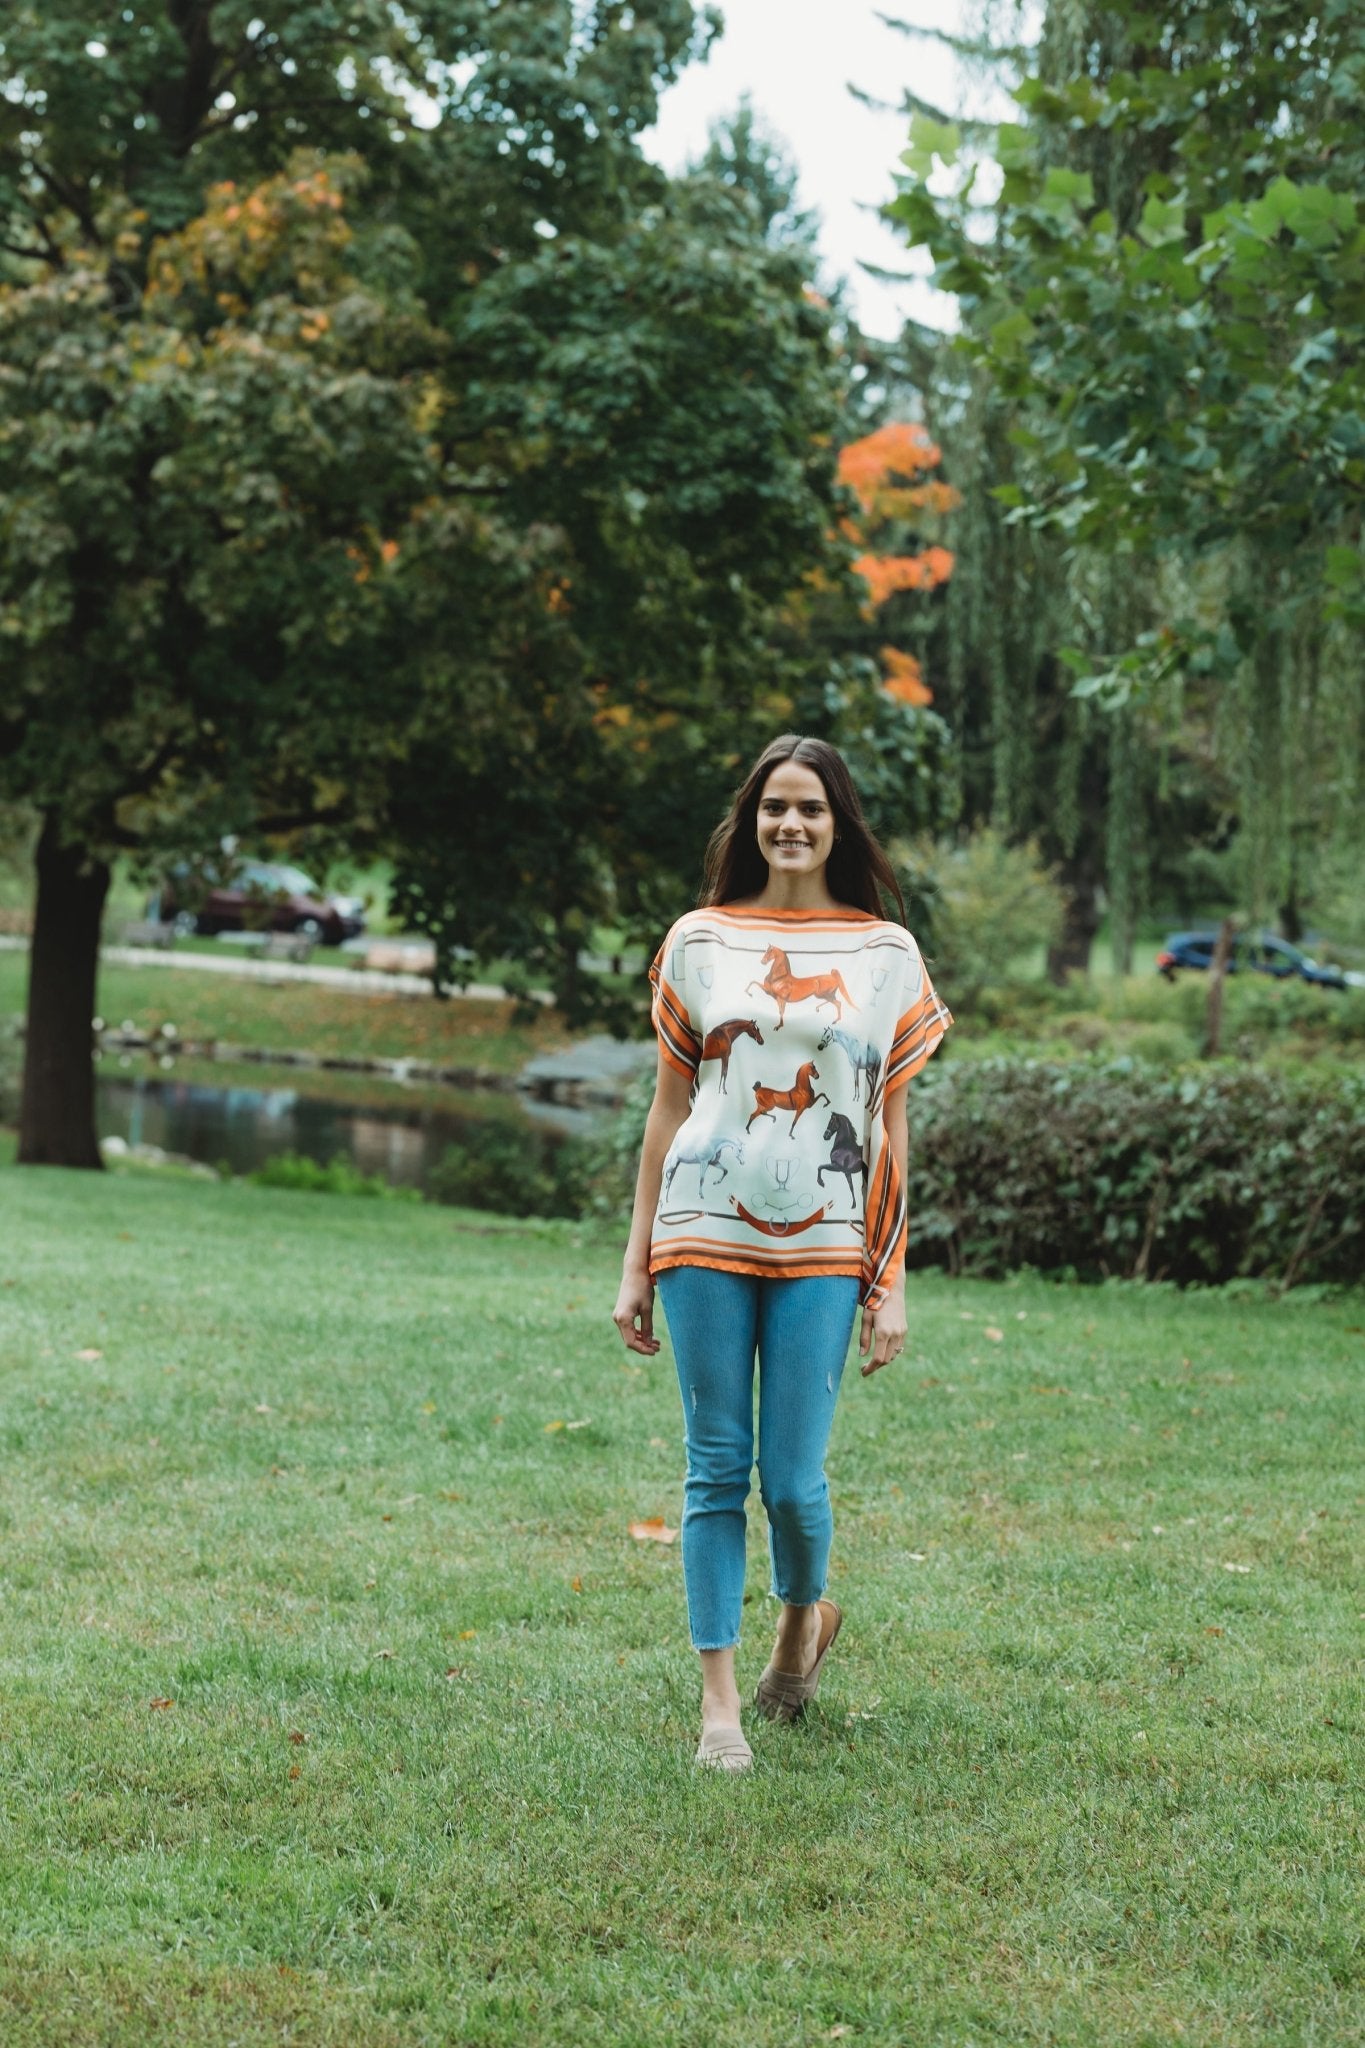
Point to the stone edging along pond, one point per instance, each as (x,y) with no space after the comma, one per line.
(592,1074)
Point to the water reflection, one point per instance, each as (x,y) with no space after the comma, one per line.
(242,1127)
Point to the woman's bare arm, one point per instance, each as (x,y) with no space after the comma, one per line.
(634,1311)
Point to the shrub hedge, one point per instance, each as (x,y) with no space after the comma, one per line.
(1094,1169)
(513,1171)
(338,1177)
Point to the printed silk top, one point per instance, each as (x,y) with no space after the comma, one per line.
(793,1025)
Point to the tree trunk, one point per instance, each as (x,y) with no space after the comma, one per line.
(57,1114)
(1218,969)
(1080,922)
(568,973)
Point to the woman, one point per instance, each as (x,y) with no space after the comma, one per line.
(769,1203)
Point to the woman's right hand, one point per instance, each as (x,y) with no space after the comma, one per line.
(633,1314)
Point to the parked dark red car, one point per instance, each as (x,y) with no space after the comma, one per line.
(258,895)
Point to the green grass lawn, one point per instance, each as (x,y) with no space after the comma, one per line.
(1085,1767)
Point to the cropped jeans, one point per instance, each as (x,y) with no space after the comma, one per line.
(799,1329)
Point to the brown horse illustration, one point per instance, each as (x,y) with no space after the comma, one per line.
(785,987)
(799,1097)
(719,1044)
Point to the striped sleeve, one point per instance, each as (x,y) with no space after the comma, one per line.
(884,1255)
(678,1042)
(922,1019)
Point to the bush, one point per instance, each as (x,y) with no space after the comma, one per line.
(513,1170)
(337,1177)
(977,907)
(1110,1169)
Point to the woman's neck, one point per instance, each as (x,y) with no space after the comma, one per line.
(793,892)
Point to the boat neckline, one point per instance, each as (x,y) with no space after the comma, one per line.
(840,910)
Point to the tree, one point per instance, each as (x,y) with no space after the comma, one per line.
(898,504)
(198,574)
(1170,302)
(330,496)
(671,399)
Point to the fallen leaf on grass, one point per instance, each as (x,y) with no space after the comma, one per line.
(295,1771)
(653,1529)
(90,1354)
(550,1427)
(467,1635)
(263,1408)
(428,1407)
(575,1585)
(297,1735)
(161,1703)
(454,1670)
(1049,1390)
(996,1336)
(1213,1631)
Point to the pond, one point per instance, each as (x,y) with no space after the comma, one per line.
(381,1129)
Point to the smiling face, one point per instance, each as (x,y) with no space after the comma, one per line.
(795,824)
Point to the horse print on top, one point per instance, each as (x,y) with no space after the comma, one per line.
(864,1059)
(847,1155)
(750,1007)
(785,987)
(798,1098)
(719,1043)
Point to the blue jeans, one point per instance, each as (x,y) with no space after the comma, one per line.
(800,1331)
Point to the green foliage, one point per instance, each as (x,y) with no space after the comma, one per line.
(1103,1170)
(510,1170)
(372,470)
(1168,308)
(977,906)
(337,1177)
(195,581)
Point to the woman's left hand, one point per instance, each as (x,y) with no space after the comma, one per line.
(883,1332)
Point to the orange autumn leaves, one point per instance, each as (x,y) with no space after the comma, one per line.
(886,471)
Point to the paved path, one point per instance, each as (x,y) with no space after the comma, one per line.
(357,981)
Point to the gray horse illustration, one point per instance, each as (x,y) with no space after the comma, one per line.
(846,1155)
(864,1059)
(705,1154)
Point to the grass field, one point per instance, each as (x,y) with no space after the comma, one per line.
(341,1708)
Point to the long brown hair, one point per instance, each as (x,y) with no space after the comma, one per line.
(858,870)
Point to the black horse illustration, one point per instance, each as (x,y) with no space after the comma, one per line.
(720,1043)
(846,1154)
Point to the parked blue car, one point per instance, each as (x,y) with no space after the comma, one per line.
(1261,953)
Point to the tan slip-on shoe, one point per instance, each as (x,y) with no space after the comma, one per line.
(784,1695)
(725,1749)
